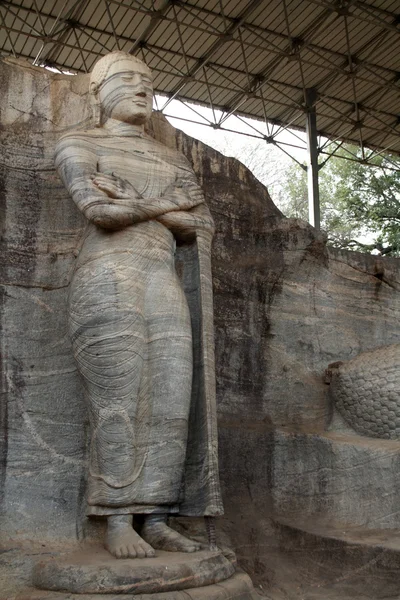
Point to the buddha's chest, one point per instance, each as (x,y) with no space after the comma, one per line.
(145,166)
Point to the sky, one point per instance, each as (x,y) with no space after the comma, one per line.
(267,161)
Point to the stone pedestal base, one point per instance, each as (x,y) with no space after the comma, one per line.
(237,587)
(93,574)
(94,571)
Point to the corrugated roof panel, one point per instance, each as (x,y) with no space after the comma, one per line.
(390,103)
(300,19)
(267,15)
(318,34)
(234,8)
(387,54)
(194,21)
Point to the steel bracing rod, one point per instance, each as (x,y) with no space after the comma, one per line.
(351,60)
(281,144)
(276,122)
(342,70)
(112,25)
(39,16)
(17,17)
(364,162)
(266,122)
(209,95)
(74,13)
(189,8)
(390,83)
(393,128)
(312,166)
(194,58)
(178,28)
(373,11)
(291,125)
(319,51)
(227,77)
(330,155)
(381,90)
(230,70)
(91,37)
(178,71)
(211,65)
(353,84)
(386,158)
(8,34)
(208,122)
(70,24)
(243,133)
(347,115)
(268,32)
(88,29)
(362,6)
(335,140)
(14,20)
(80,50)
(251,7)
(154,21)
(272,139)
(262,79)
(297,54)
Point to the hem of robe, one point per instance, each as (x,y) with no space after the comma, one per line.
(133,509)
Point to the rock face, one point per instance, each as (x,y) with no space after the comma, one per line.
(286,306)
(366,392)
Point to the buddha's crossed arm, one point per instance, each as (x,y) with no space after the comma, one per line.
(107,200)
(186,224)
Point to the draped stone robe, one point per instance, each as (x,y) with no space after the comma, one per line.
(151,402)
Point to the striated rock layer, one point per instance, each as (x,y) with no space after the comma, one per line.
(285,308)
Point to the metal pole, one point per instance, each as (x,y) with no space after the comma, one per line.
(312,167)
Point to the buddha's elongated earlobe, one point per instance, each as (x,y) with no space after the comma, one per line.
(96,106)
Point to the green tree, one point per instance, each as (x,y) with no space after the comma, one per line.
(358,202)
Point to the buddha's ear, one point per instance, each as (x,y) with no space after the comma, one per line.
(93,88)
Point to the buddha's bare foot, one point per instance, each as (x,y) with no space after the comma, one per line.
(122,541)
(157,533)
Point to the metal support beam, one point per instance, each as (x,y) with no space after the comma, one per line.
(312,166)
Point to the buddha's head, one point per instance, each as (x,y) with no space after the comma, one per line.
(121,89)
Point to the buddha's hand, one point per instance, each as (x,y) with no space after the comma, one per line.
(186,194)
(114,186)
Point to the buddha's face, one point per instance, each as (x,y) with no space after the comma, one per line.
(127,93)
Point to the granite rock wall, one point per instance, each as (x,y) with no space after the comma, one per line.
(285,307)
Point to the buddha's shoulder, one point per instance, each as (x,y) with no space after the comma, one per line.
(168,152)
(83,135)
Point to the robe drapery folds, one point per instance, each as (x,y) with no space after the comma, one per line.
(135,304)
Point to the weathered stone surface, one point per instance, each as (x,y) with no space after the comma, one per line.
(323,562)
(94,571)
(285,308)
(340,478)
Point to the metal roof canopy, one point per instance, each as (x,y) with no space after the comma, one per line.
(262,59)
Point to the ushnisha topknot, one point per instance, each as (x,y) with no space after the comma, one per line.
(102,66)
